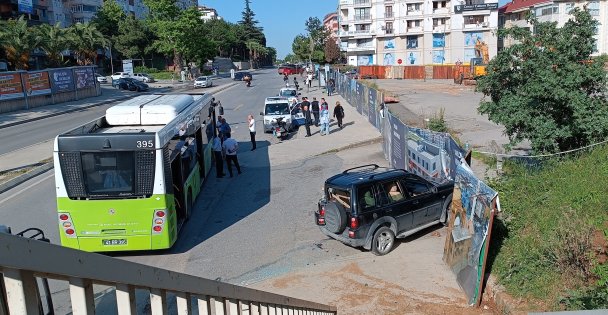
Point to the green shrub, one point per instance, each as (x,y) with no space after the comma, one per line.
(143,69)
(437,122)
(550,214)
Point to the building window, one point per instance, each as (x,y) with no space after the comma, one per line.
(412,42)
(389,27)
(439,4)
(388,11)
(549,10)
(414,23)
(569,7)
(474,19)
(362,14)
(594,8)
(440,21)
(78,20)
(472,2)
(413,7)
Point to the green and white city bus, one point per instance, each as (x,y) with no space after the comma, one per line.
(128,180)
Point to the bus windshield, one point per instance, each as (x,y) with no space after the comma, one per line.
(108,173)
(287,93)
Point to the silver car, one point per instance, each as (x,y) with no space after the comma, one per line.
(203,81)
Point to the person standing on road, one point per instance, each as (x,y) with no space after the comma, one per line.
(231,147)
(315,110)
(330,87)
(306,103)
(252,131)
(324,121)
(339,113)
(307,118)
(286,80)
(324,103)
(225,129)
(219,159)
(309,79)
(295,83)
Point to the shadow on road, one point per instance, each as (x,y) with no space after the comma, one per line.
(225,201)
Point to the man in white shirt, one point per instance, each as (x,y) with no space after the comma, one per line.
(252,131)
(231,147)
(216,146)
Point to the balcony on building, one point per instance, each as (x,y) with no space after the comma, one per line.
(362,3)
(414,9)
(477,26)
(366,18)
(363,33)
(344,33)
(344,3)
(389,15)
(445,28)
(386,32)
(360,48)
(389,1)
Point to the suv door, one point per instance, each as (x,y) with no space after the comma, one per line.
(396,203)
(422,198)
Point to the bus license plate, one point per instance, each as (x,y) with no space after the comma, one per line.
(121,241)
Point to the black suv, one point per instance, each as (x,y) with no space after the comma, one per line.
(368,206)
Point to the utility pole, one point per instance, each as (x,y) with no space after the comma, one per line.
(111,62)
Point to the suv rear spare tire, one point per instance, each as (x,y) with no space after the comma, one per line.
(383,241)
(335,217)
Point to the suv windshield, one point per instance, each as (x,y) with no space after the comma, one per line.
(288,93)
(277,109)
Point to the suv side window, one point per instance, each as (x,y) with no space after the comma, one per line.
(392,192)
(415,186)
(366,198)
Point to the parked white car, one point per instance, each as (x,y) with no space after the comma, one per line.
(203,81)
(100,78)
(119,75)
(143,77)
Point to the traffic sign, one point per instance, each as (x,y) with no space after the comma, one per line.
(399,61)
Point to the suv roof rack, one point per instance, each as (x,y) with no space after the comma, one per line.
(375,166)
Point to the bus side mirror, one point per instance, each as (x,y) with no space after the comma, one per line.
(261,114)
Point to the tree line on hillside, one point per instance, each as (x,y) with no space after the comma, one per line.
(167,30)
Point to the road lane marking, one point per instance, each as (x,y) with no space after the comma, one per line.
(237,108)
(26,188)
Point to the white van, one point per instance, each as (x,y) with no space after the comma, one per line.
(275,107)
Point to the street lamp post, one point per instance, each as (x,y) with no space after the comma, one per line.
(111,62)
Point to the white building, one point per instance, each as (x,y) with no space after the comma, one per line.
(514,14)
(208,14)
(416,32)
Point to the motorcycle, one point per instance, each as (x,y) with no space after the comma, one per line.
(248,80)
(279,129)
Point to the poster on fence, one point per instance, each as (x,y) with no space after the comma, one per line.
(358,99)
(37,83)
(84,78)
(62,80)
(10,86)
(474,205)
(432,154)
(372,107)
(398,133)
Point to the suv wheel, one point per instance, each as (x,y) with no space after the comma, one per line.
(383,241)
(335,217)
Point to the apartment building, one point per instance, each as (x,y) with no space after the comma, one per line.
(208,13)
(416,32)
(514,14)
(330,21)
(35,11)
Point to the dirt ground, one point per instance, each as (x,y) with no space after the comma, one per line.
(410,280)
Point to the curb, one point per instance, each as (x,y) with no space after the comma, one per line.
(353,145)
(14,182)
(496,292)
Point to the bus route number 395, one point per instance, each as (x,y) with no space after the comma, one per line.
(145,144)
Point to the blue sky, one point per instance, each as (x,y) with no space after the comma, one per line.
(282,20)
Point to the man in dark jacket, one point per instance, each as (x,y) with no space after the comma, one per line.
(307,118)
(315,110)
(339,113)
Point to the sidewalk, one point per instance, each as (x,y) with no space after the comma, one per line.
(27,161)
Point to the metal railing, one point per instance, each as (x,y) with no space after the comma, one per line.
(388,15)
(23,260)
(363,17)
(362,2)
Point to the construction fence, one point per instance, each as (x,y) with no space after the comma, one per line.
(414,72)
(28,89)
(438,157)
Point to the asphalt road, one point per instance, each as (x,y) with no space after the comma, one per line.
(243,230)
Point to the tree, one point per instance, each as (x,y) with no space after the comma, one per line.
(301,47)
(18,41)
(163,18)
(84,41)
(317,34)
(332,50)
(108,17)
(54,41)
(546,88)
(190,26)
(133,38)
(250,28)
(223,36)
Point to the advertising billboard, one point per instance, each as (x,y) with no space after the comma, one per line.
(62,80)
(84,78)
(10,86)
(37,83)
(25,6)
